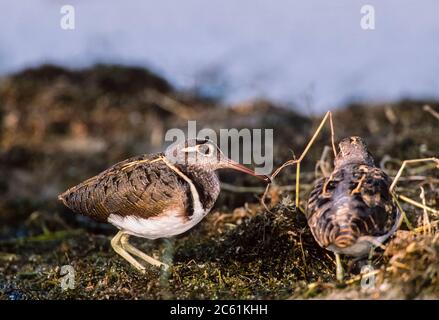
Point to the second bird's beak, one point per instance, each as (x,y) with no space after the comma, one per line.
(239,167)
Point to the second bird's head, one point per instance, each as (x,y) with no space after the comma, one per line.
(353,150)
(206,155)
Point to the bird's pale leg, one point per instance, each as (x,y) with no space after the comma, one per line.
(371,253)
(339,268)
(133,250)
(118,247)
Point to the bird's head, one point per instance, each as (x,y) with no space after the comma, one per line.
(206,155)
(353,150)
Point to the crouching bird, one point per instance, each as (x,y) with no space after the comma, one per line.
(154,196)
(352,211)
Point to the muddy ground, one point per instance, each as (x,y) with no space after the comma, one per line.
(59,127)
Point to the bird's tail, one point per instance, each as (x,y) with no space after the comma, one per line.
(344,237)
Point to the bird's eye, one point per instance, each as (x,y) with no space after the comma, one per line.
(205,150)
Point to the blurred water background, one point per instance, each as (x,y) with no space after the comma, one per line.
(311,54)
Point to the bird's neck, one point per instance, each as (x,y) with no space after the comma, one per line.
(206,183)
(341,162)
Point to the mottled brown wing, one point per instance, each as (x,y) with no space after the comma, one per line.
(143,186)
(355,196)
(379,207)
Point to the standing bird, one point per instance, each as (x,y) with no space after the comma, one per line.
(154,196)
(352,211)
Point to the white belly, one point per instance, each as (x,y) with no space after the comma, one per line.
(361,248)
(169,223)
(364,244)
(165,226)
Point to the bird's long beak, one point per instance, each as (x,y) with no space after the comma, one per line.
(239,167)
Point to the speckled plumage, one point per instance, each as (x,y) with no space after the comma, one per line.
(142,186)
(352,209)
(154,196)
(157,195)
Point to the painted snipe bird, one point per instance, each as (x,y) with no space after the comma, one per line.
(154,196)
(352,211)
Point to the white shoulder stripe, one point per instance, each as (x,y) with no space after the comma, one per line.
(198,209)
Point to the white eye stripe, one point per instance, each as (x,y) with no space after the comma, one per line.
(211,149)
(203,152)
(190,149)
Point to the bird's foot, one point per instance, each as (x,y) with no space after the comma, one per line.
(339,268)
(141,255)
(117,246)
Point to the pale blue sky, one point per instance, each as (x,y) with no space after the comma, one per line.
(311,53)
